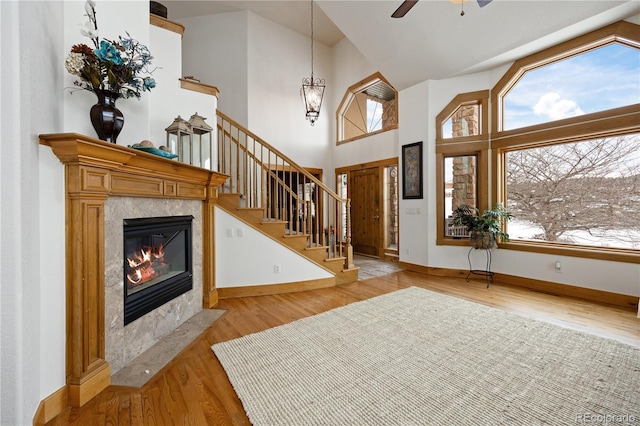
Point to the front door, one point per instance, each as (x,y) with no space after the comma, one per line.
(364,191)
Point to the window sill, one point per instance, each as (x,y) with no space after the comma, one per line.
(450,241)
(366,135)
(602,253)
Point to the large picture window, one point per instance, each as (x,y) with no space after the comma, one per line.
(585,193)
(566,147)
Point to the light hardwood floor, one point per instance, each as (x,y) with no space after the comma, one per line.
(194,390)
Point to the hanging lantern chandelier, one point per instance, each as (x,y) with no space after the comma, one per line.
(312,89)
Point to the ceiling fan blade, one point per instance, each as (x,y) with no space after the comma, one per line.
(404,8)
(483,3)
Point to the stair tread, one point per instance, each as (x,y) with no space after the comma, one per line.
(332,259)
(317,248)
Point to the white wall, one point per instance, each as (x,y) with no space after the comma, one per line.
(278,60)
(168,100)
(236,242)
(415,231)
(214,50)
(32,282)
(258,66)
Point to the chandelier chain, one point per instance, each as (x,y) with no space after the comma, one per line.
(312,40)
(312,89)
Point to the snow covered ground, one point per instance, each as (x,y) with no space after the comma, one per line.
(520,230)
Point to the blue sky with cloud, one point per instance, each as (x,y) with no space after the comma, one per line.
(600,79)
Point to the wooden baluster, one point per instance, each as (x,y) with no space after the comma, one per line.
(292,212)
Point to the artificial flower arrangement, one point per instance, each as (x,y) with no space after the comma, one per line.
(121,67)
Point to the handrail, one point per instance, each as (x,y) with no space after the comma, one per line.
(280,154)
(267,179)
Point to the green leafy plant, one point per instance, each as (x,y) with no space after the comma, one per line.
(487,225)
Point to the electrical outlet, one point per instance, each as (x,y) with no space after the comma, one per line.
(558,266)
(276,269)
(229,232)
(240,232)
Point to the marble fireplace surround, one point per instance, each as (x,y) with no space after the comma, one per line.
(95,171)
(124,343)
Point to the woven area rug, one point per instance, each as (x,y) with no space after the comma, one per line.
(415,357)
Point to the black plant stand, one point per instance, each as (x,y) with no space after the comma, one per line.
(485,272)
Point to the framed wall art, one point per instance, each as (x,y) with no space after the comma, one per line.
(412,171)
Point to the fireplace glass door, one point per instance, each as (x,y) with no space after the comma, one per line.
(157,262)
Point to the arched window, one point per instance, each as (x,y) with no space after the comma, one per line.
(566,146)
(368,107)
(594,80)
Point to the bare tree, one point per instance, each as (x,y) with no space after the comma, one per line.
(591,186)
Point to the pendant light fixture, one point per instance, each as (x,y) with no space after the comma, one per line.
(312,88)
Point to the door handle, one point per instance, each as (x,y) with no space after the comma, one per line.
(376,217)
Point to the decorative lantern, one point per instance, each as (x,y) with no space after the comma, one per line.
(312,89)
(201,142)
(179,136)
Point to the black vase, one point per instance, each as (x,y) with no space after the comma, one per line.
(106,119)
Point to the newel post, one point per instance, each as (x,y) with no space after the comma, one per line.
(348,251)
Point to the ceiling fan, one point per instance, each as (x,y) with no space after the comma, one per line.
(408,4)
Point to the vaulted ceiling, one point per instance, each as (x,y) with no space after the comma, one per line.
(433,41)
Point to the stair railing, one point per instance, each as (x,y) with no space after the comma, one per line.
(268,180)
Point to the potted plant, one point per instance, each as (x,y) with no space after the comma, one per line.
(484,230)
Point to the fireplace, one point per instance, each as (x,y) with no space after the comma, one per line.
(105,184)
(157,263)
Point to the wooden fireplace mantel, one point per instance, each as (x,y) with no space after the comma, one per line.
(95,170)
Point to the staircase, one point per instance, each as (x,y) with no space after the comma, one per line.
(274,195)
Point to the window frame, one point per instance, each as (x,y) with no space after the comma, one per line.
(474,145)
(612,122)
(350,94)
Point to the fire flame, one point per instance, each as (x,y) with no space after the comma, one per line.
(141,264)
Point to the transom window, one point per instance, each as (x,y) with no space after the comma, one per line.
(368,107)
(596,80)
(465,121)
